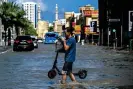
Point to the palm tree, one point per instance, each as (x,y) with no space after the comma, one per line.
(5,16)
(19,20)
(16,15)
(7,13)
(11,15)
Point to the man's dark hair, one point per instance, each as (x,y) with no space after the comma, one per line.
(70,30)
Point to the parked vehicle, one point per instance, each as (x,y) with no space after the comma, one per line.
(34,39)
(23,43)
(50,37)
(39,40)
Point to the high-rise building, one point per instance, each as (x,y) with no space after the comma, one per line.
(1,1)
(39,12)
(5,0)
(31,12)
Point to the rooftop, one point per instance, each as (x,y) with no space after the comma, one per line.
(29,3)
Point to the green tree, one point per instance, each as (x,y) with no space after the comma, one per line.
(30,30)
(19,21)
(11,15)
(51,28)
(5,14)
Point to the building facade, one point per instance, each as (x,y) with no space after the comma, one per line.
(42,28)
(62,21)
(76,16)
(68,14)
(89,29)
(31,12)
(90,14)
(115,22)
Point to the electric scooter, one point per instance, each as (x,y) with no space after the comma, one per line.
(53,72)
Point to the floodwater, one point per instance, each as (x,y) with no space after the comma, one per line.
(106,69)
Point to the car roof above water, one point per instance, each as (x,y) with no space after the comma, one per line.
(24,37)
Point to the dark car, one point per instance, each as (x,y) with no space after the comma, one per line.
(23,43)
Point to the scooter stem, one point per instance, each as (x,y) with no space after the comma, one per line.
(55,62)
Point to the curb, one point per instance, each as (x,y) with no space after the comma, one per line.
(5,51)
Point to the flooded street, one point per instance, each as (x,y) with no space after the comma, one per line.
(107,69)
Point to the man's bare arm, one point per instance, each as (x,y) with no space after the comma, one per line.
(66,47)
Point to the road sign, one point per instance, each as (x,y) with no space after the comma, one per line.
(114,20)
(93,26)
(130,22)
(92,23)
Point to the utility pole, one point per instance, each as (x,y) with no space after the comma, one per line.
(122,29)
(108,36)
(115,39)
(102,36)
(82,29)
(107,20)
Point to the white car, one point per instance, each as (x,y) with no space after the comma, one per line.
(39,40)
(34,39)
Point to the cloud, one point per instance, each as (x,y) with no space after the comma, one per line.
(42,4)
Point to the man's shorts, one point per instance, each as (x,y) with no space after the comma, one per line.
(67,68)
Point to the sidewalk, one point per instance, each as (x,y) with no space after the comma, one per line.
(118,49)
(4,48)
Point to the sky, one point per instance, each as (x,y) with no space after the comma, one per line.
(48,7)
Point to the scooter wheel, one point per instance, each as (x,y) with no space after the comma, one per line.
(82,74)
(52,73)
